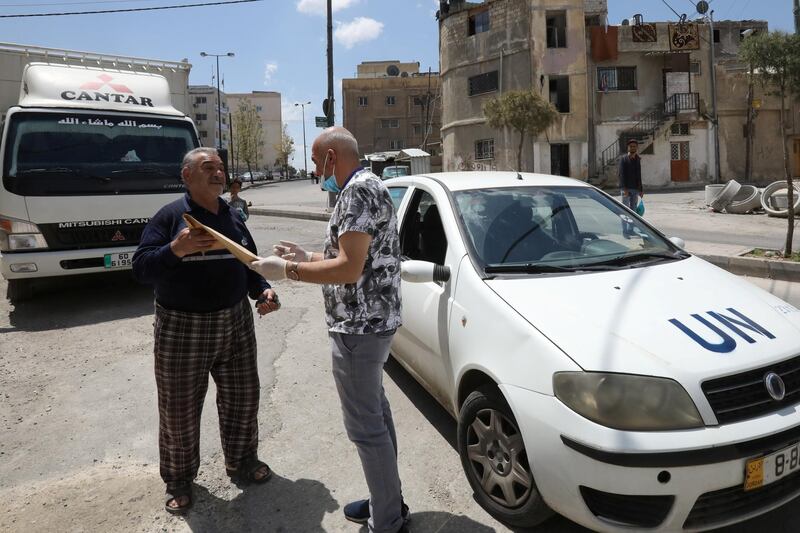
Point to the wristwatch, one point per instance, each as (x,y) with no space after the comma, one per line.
(291,271)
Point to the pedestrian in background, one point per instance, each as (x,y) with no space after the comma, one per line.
(630,182)
(359,270)
(237,202)
(203,325)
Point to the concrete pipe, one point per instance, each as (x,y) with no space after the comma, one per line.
(747,200)
(768,199)
(712,191)
(728,192)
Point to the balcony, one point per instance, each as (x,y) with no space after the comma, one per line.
(682,103)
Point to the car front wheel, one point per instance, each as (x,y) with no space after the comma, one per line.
(495,462)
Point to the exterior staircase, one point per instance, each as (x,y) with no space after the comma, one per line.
(654,121)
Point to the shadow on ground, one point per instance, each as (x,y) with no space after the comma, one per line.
(73,301)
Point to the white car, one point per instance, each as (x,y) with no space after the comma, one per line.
(595,368)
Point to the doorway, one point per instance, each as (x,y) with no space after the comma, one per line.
(679,164)
(559,159)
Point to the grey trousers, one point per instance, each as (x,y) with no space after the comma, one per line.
(358,371)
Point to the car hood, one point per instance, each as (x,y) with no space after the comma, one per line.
(681,319)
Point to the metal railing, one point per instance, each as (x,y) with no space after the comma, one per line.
(682,102)
(646,126)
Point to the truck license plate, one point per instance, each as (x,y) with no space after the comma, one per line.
(770,468)
(120,260)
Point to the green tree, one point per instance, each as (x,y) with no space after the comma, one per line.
(285,148)
(248,133)
(775,61)
(524,111)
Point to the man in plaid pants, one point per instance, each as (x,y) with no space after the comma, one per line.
(203,325)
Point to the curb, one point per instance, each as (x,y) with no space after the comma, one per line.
(743,266)
(754,267)
(288,213)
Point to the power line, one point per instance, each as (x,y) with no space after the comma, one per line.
(129,10)
(56,4)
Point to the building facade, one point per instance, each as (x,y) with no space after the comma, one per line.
(391,105)
(268,108)
(207,115)
(491,47)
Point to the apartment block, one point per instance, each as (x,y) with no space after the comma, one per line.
(268,108)
(210,118)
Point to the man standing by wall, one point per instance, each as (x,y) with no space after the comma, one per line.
(630,181)
(360,273)
(203,324)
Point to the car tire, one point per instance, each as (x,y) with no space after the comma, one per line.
(19,290)
(489,438)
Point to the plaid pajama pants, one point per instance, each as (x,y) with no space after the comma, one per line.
(189,347)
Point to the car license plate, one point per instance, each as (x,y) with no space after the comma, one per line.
(770,468)
(120,260)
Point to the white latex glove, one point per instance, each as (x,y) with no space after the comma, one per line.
(291,252)
(272,268)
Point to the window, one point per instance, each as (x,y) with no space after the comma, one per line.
(390,100)
(478,23)
(200,99)
(417,129)
(395,144)
(200,116)
(559,159)
(616,78)
(716,36)
(482,83)
(556,29)
(362,101)
(559,93)
(203,134)
(397,194)
(694,67)
(259,109)
(679,128)
(679,151)
(484,149)
(390,123)
(419,100)
(422,236)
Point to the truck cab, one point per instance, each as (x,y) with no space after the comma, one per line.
(88,155)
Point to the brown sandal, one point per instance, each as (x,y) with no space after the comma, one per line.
(175,492)
(247,470)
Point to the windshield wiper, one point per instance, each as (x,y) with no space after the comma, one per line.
(143,170)
(52,170)
(539,268)
(643,257)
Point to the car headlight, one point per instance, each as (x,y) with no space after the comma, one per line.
(16,235)
(626,401)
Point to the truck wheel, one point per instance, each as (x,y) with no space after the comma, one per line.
(19,290)
(495,461)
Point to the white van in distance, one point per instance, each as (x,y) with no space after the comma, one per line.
(87,156)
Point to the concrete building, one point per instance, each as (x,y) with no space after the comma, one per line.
(268,107)
(206,115)
(491,47)
(391,105)
(14,58)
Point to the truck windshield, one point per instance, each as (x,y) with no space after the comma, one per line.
(59,154)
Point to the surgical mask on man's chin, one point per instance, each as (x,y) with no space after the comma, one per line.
(329,183)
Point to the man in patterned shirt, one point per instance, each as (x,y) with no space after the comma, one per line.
(360,275)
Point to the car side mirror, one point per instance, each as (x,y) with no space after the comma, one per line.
(423,272)
(677,241)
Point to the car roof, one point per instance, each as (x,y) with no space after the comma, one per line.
(460,181)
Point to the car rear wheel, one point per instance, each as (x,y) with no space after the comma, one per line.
(495,461)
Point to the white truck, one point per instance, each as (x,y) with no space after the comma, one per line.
(88,155)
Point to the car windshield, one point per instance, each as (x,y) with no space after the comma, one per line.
(60,153)
(556,229)
(393,172)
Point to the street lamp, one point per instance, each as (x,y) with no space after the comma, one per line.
(219,97)
(305,156)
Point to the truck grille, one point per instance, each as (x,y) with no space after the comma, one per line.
(743,396)
(91,237)
(723,505)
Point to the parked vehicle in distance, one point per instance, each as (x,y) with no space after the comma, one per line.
(395,171)
(88,156)
(595,368)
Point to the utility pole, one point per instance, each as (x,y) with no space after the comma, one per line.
(219,97)
(797,17)
(748,161)
(331,108)
(715,117)
(305,155)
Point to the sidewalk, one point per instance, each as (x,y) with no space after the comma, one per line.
(719,238)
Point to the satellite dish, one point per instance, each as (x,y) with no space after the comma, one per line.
(702,7)
(626,22)
(392,70)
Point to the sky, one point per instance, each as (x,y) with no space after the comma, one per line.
(280,45)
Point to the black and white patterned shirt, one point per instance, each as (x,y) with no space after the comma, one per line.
(372,305)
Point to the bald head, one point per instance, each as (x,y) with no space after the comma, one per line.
(335,151)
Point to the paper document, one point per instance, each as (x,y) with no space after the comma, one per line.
(242,254)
